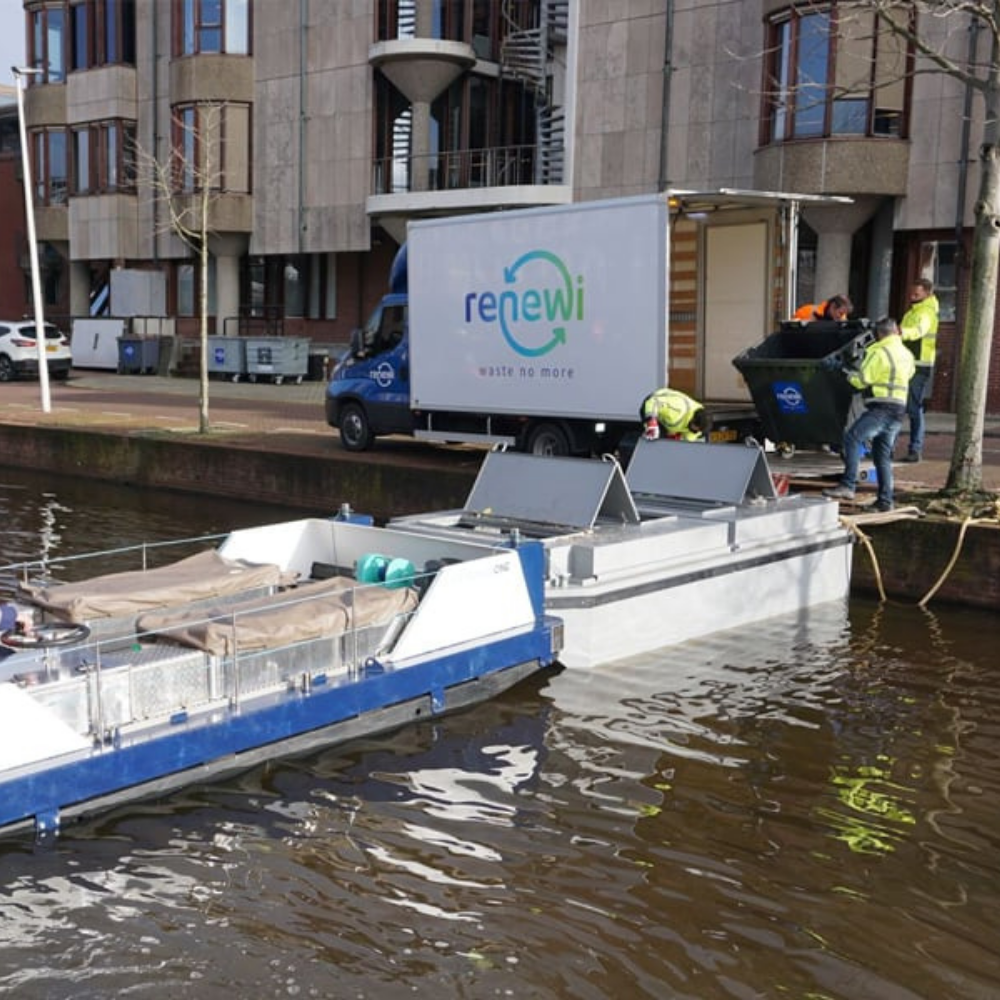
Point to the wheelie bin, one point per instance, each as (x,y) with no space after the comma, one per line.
(796,379)
(138,355)
(227,356)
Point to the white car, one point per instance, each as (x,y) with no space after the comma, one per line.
(19,350)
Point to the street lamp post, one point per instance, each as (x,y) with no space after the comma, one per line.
(20,72)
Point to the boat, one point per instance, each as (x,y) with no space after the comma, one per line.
(689,540)
(281,639)
(288,637)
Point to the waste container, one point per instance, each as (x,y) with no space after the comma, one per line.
(227,356)
(319,364)
(138,355)
(795,379)
(277,357)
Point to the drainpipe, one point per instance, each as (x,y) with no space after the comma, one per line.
(303,41)
(963,179)
(155,104)
(663,181)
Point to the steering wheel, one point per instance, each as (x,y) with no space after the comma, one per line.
(45,636)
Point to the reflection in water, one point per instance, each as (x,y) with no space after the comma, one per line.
(807,809)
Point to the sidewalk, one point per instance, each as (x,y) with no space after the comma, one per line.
(290,417)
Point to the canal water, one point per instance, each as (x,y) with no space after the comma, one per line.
(805,809)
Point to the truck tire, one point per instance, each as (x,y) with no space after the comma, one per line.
(547,439)
(355,430)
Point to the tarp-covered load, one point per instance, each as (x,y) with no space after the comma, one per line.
(200,577)
(312,611)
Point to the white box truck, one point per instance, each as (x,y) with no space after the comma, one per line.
(544,329)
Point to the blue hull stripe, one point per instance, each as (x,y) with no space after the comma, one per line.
(208,740)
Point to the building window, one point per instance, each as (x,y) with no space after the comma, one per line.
(211,147)
(480,134)
(102,33)
(211,26)
(81,161)
(47,43)
(300,285)
(477,22)
(833,70)
(187,276)
(50,166)
(81,49)
(103,158)
(10,137)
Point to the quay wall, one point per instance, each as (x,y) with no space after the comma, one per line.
(218,467)
(910,556)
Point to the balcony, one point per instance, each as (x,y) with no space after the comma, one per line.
(506,166)
(460,180)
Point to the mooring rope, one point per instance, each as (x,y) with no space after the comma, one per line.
(850,521)
(951,562)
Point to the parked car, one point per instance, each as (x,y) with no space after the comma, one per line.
(19,350)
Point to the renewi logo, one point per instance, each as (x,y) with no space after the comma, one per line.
(538,299)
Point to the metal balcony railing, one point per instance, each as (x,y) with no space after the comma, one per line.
(504,166)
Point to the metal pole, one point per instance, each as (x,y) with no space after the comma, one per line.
(29,211)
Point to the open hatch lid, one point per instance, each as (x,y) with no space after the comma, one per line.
(570,492)
(707,473)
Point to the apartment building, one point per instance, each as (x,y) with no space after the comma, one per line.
(319,128)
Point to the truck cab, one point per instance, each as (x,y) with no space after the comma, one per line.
(369,390)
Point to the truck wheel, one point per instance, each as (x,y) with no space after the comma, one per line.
(547,439)
(355,431)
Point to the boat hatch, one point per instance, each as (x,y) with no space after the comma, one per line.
(702,473)
(527,490)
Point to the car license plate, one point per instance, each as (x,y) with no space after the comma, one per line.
(51,348)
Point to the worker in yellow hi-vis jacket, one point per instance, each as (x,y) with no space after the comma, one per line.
(670,413)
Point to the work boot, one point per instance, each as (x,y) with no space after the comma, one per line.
(912,456)
(882,506)
(839,493)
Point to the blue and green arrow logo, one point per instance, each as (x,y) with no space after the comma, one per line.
(539,297)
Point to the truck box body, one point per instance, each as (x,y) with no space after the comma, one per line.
(550,312)
(545,328)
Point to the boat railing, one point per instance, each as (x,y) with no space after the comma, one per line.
(164,675)
(41,568)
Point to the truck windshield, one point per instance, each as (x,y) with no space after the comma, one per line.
(384,329)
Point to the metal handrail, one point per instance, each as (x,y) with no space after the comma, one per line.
(451,170)
(48,563)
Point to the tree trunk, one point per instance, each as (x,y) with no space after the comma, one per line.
(966,471)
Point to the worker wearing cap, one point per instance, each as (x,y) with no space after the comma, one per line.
(672,414)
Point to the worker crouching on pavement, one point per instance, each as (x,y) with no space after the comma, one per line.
(886,369)
(670,413)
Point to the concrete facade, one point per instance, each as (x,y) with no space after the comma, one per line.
(650,94)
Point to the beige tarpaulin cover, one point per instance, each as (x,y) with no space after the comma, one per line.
(312,611)
(197,578)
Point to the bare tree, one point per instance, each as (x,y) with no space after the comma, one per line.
(908,20)
(186,184)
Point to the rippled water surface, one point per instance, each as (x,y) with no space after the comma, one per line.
(807,809)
